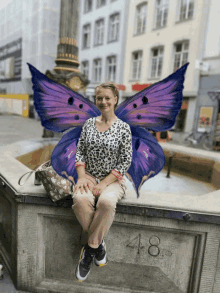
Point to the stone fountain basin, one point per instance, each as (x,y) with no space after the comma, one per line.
(160,242)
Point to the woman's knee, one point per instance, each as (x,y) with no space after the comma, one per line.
(108,201)
(83,198)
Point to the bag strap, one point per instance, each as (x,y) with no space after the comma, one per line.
(31,172)
(19,181)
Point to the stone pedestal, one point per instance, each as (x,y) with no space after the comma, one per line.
(157,243)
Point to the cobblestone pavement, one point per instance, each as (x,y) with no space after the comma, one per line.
(6,284)
(14,128)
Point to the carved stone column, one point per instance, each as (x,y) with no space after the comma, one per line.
(66,70)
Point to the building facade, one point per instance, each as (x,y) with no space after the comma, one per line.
(29,32)
(102,40)
(162,36)
(207,116)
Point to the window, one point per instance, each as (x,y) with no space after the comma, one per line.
(87,6)
(85,68)
(99,32)
(97,70)
(156,62)
(181,54)
(101,3)
(136,65)
(161,13)
(186,9)
(111,68)
(140,23)
(181,118)
(114,27)
(86,36)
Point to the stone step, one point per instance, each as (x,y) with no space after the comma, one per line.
(115,277)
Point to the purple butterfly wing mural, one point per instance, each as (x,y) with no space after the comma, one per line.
(59,107)
(147,159)
(157,106)
(154,108)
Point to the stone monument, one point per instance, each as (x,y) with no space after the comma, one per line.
(66,70)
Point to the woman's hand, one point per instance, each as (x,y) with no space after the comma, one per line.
(83,184)
(97,189)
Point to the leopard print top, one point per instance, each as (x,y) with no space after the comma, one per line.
(105,151)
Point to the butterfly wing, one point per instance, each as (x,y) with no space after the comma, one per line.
(157,106)
(147,159)
(58,106)
(64,154)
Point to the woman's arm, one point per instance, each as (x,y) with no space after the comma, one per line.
(125,154)
(109,179)
(82,183)
(81,147)
(97,190)
(80,169)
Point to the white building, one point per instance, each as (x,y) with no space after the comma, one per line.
(102,40)
(29,32)
(211,56)
(207,116)
(162,36)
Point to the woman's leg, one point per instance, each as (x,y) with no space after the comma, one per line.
(104,214)
(83,206)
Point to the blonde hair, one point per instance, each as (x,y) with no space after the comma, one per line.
(113,87)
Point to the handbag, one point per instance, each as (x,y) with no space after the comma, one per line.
(56,186)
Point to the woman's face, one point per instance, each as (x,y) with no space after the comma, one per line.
(105,100)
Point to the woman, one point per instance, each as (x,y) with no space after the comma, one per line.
(103,156)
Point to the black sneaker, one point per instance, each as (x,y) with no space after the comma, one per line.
(85,261)
(100,258)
